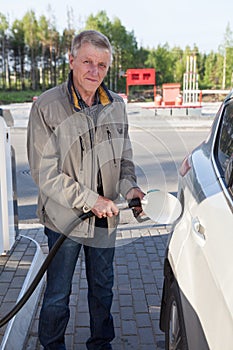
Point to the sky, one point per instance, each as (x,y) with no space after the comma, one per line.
(178,23)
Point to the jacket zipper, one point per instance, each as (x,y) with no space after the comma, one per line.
(82,151)
(92,143)
(43,210)
(111,143)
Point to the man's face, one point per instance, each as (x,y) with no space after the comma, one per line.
(90,66)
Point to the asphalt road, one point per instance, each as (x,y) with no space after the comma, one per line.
(159,146)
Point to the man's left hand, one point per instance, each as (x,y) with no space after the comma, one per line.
(136,193)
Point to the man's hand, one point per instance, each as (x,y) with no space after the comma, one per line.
(136,193)
(104,207)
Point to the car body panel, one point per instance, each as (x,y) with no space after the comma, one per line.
(199,251)
(195,266)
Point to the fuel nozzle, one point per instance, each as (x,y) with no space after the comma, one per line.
(134,202)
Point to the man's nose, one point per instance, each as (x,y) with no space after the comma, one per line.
(94,69)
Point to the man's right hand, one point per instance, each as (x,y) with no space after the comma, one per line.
(104,207)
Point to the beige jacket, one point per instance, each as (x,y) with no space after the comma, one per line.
(65,151)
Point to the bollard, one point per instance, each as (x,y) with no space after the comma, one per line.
(7,222)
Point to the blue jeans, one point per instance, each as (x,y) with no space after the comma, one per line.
(55,311)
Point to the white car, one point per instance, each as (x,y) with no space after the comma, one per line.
(197,302)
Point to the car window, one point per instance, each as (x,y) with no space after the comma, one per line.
(224,150)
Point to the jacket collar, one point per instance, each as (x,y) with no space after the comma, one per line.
(103,92)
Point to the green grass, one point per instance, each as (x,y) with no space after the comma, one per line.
(13,96)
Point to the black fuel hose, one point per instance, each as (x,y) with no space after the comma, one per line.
(42,269)
(122,205)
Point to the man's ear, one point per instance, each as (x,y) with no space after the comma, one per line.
(71,60)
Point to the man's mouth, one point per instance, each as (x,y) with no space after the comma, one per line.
(92,80)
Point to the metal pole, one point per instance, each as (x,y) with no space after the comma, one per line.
(191,79)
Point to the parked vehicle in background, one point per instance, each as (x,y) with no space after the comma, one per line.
(124,96)
(197,302)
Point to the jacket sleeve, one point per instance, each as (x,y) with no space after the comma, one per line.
(43,156)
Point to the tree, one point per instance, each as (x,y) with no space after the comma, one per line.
(17,42)
(179,63)
(101,23)
(43,36)
(54,50)
(31,39)
(65,44)
(210,79)
(226,49)
(124,46)
(33,53)
(201,60)
(163,61)
(4,26)
(140,58)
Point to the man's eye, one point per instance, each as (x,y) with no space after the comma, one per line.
(102,65)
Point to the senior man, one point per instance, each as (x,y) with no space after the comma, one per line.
(81,160)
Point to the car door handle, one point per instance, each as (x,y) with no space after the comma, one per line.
(198,230)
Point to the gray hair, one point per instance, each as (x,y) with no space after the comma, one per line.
(93,37)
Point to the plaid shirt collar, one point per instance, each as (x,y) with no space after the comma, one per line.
(102,95)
